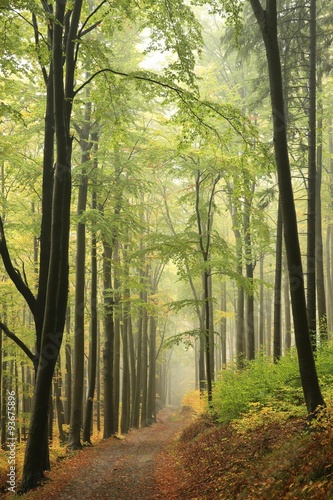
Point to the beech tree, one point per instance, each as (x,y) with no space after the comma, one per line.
(267,21)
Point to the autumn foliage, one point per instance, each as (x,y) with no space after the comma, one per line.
(280,459)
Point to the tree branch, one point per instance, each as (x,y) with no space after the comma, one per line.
(14,274)
(18,341)
(182,94)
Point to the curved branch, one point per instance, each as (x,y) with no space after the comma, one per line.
(14,274)
(182,94)
(17,341)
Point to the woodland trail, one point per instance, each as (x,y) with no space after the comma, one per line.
(117,469)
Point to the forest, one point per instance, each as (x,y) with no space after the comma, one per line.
(166,207)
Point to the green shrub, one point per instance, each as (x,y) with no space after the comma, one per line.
(276,385)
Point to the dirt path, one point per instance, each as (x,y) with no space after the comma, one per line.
(117,469)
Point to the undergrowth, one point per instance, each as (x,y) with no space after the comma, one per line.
(255,443)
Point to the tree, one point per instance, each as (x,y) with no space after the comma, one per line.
(267,21)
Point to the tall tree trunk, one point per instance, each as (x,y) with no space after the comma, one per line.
(261,339)
(277,348)
(127,364)
(320,274)
(223,324)
(286,298)
(329,237)
(144,367)
(57,283)
(250,334)
(74,439)
(211,325)
(137,389)
(151,397)
(126,380)
(88,418)
(108,352)
(267,20)
(312,175)
(116,316)
(268,323)
(68,378)
(240,308)
(57,387)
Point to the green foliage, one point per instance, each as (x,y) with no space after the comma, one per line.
(264,386)
(184,338)
(260,384)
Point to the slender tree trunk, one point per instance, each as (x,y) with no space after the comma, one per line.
(329,284)
(287,316)
(320,274)
(68,378)
(127,386)
(312,176)
(329,237)
(74,439)
(98,378)
(208,346)
(211,326)
(116,316)
(151,400)
(223,325)
(277,348)
(144,367)
(132,366)
(108,353)
(240,309)
(268,323)
(261,303)
(57,387)
(250,334)
(137,392)
(88,418)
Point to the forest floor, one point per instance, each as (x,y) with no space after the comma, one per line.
(189,456)
(117,468)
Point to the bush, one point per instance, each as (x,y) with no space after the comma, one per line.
(261,383)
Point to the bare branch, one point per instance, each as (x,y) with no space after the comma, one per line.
(17,341)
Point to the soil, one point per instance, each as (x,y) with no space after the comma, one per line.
(117,469)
